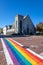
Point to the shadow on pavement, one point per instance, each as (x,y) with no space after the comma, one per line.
(3,36)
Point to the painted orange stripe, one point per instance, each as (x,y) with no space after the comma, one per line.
(41,63)
(26,55)
(30,54)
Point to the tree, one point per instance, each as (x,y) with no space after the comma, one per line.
(1,30)
(39,27)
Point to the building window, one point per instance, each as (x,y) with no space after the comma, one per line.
(16,23)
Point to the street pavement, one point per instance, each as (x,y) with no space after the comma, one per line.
(23,51)
(34,43)
(2,56)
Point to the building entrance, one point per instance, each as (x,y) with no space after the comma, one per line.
(20,27)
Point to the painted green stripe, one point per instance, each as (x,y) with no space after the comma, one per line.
(20,55)
(15,54)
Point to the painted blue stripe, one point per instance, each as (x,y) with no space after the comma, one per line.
(19,54)
(14,52)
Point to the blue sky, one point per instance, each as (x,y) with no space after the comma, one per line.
(10,8)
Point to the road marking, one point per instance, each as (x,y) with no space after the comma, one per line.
(17,42)
(29,50)
(35,53)
(8,58)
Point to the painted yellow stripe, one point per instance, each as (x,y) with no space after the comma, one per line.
(27,52)
(24,54)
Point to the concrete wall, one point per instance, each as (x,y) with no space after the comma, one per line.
(16,25)
(20,18)
(4,30)
(28,23)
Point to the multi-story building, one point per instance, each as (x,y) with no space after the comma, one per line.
(22,25)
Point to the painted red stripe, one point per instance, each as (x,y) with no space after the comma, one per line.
(29,53)
(41,63)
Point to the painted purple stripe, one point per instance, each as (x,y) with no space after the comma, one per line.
(12,56)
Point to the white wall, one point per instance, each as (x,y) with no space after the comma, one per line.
(4,30)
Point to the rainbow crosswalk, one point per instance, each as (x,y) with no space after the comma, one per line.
(19,55)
